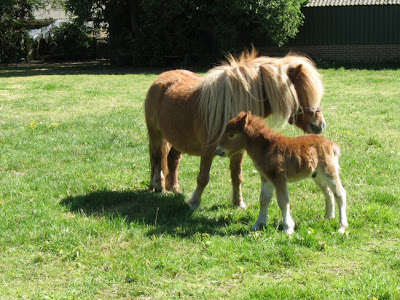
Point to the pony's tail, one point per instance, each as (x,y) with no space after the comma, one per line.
(165,148)
(158,145)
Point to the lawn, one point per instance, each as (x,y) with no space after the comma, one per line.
(76,221)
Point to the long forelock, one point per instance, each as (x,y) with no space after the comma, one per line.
(310,82)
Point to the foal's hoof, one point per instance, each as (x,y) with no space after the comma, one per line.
(342,230)
(289,231)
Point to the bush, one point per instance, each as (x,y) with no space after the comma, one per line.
(68,42)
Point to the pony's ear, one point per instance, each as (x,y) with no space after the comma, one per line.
(293,73)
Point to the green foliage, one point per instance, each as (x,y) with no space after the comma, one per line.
(69,40)
(14,15)
(279,19)
(150,30)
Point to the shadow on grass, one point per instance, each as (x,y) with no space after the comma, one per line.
(98,67)
(71,68)
(165,213)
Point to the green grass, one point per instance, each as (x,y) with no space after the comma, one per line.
(77,223)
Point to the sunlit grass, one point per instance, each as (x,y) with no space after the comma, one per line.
(76,221)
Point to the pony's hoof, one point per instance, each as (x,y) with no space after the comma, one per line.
(158,188)
(154,189)
(176,189)
(173,188)
(242,205)
(193,206)
(257,227)
(342,230)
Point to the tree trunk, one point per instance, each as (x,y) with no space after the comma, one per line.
(132,4)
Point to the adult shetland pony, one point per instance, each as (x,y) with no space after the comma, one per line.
(187,113)
(280,159)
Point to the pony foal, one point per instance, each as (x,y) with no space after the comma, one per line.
(280,159)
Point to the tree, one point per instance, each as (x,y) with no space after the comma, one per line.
(15,16)
(148,30)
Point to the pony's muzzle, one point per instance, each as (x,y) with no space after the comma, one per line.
(220,151)
(317,128)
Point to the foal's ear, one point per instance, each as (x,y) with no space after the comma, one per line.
(243,117)
(293,73)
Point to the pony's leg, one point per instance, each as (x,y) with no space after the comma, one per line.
(202,179)
(236,176)
(329,197)
(282,194)
(157,176)
(267,190)
(174,158)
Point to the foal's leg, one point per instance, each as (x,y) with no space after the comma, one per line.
(267,190)
(340,196)
(329,197)
(174,158)
(202,179)
(334,184)
(282,193)
(157,176)
(236,176)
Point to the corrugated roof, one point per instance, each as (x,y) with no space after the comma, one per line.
(318,3)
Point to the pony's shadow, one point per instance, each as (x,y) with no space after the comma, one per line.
(164,213)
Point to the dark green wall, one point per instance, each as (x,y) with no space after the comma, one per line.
(350,25)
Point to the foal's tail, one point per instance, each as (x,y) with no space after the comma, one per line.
(336,155)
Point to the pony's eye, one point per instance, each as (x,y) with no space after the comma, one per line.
(231,134)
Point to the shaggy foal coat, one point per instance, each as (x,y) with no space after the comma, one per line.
(280,159)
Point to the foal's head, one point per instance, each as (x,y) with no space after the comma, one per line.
(234,139)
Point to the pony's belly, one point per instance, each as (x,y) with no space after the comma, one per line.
(184,144)
(182,134)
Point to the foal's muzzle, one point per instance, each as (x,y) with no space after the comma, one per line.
(220,152)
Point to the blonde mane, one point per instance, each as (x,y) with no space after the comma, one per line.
(244,83)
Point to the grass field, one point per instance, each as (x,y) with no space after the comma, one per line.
(76,221)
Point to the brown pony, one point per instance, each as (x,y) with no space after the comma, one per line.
(280,159)
(187,113)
